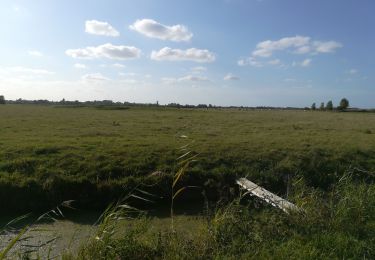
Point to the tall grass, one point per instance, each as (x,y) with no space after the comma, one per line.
(335,225)
(183,162)
(23,237)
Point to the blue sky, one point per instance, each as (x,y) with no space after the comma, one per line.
(223,52)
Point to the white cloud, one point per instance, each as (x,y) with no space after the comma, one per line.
(153,29)
(306,63)
(303,50)
(275,62)
(114,65)
(353,71)
(230,76)
(130,74)
(326,47)
(100,28)
(193,78)
(107,50)
(198,69)
(192,54)
(297,44)
(266,48)
(80,66)
(35,53)
(118,66)
(98,77)
(250,61)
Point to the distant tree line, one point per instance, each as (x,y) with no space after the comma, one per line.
(65,102)
(344,104)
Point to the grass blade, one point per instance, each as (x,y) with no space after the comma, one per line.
(179,174)
(4,253)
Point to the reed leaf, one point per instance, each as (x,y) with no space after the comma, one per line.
(14,241)
(179,174)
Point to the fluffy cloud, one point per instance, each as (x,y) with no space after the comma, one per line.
(198,69)
(266,48)
(326,47)
(192,54)
(250,61)
(80,66)
(153,29)
(100,28)
(105,51)
(305,63)
(192,78)
(296,44)
(257,63)
(230,76)
(94,77)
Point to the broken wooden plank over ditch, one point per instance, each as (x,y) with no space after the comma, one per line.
(267,196)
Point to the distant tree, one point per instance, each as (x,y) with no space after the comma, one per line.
(321,106)
(344,104)
(329,105)
(2,100)
(313,106)
(202,106)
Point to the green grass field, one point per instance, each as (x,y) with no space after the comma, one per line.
(50,154)
(325,160)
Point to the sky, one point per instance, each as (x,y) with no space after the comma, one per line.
(220,52)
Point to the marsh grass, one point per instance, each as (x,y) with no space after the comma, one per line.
(324,162)
(48,155)
(335,225)
(338,223)
(22,234)
(184,160)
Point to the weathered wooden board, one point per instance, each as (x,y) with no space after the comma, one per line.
(267,196)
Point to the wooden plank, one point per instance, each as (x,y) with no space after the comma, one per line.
(267,196)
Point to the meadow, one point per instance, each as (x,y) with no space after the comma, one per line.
(49,154)
(322,161)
